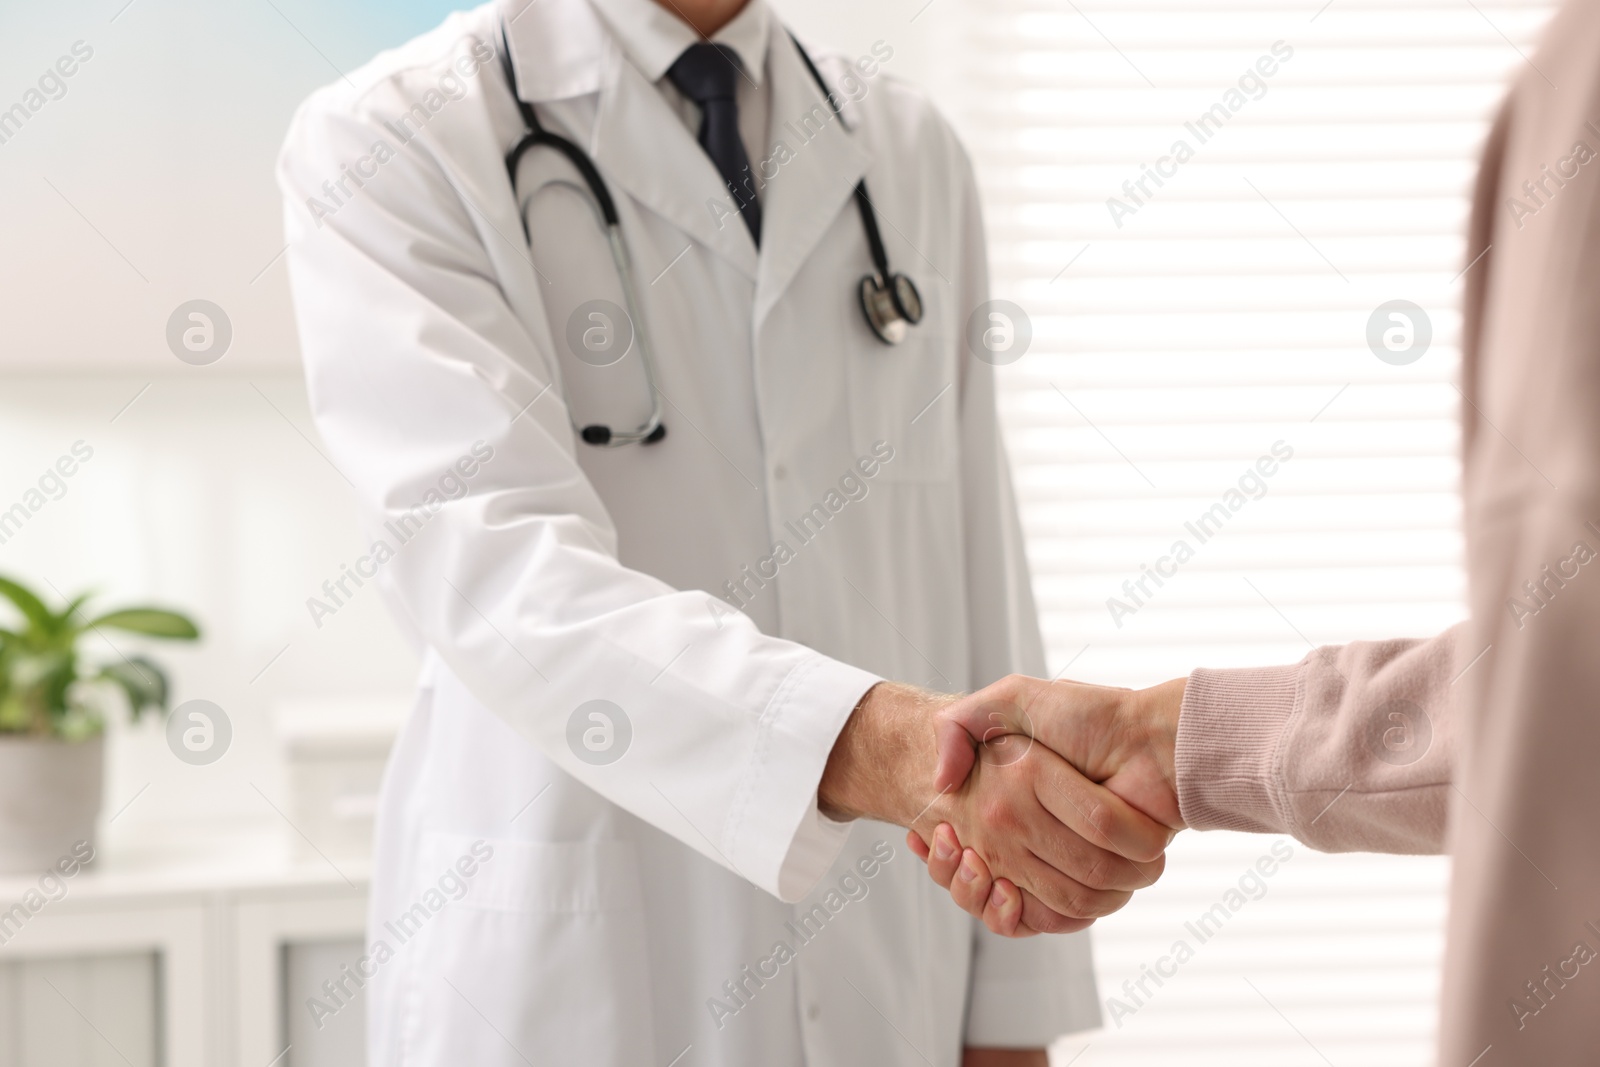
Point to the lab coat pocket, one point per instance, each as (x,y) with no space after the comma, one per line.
(903,399)
(541,960)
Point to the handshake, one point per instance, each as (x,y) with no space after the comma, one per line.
(1040,805)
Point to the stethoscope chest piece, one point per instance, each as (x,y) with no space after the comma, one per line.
(891,309)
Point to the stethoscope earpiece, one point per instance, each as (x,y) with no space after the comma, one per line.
(893,309)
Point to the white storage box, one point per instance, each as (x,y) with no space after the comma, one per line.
(334,751)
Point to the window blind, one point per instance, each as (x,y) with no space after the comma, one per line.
(1202,210)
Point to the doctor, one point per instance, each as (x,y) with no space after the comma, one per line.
(674,448)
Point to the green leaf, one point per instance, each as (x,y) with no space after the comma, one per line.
(31,606)
(39,664)
(153,622)
(144,683)
(62,621)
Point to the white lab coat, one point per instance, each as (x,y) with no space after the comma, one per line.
(632,912)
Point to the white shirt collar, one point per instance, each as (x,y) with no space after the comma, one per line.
(653,37)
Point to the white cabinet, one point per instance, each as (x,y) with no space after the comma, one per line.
(80,1011)
(286,947)
(317,1038)
(198,963)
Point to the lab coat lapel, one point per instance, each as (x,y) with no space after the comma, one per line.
(642,146)
(816,164)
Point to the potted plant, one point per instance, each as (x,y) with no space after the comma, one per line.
(53,705)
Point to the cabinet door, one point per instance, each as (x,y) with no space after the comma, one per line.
(326,1028)
(285,948)
(180,1005)
(88,1011)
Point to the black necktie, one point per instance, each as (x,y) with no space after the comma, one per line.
(708,75)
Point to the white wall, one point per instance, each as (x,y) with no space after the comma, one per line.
(925,36)
(148,180)
(145,182)
(202,494)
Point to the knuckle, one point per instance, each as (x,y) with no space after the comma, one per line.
(1049,922)
(1103,871)
(1079,904)
(973,902)
(1007,689)
(1100,819)
(1105,902)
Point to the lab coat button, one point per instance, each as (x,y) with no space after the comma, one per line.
(813,1012)
(780,472)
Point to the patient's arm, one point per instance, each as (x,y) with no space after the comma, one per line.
(1349,749)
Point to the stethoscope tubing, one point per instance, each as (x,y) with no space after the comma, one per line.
(889,301)
(647,356)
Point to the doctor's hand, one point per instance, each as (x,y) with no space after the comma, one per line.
(1070,849)
(1124,739)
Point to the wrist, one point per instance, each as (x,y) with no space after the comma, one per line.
(883,761)
(1154,712)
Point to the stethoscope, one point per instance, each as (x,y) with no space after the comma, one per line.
(889,301)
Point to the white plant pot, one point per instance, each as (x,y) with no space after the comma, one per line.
(50,794)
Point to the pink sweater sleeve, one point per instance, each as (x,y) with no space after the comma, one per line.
(1347,750)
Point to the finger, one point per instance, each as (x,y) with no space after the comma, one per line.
(1062,893)
(1097,814)
(964,873)
(1061,817)
(1043,920)
(1089,864)
(972,884)
(1032,917)
(958,751)
(946,857)
(1002,912)
(918,847)
(971,721)
(1061,842)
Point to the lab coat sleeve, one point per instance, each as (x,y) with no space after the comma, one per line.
(1026,992)
(435,402)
